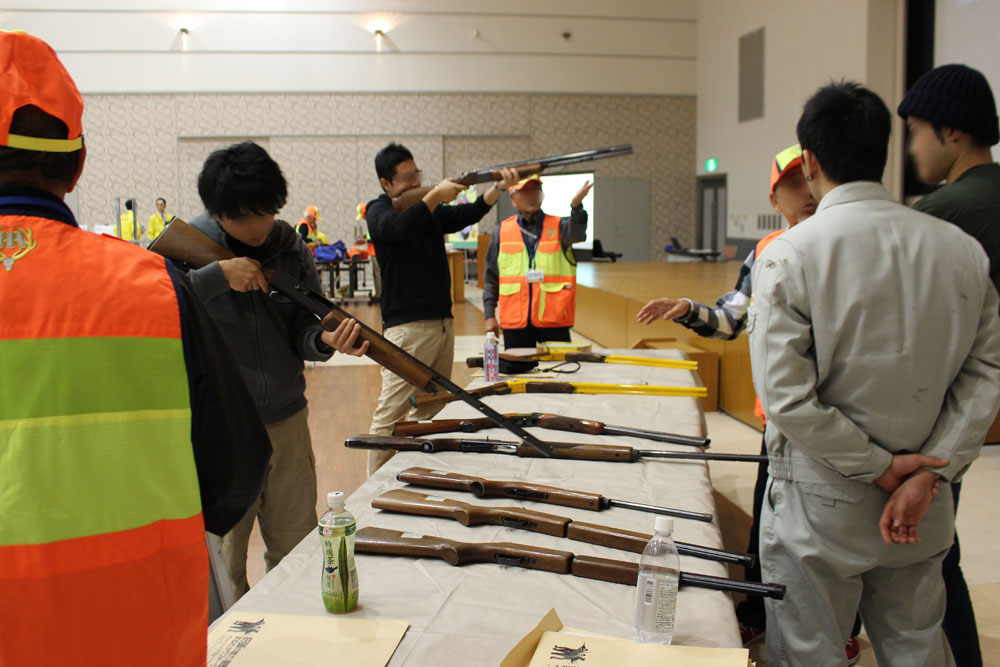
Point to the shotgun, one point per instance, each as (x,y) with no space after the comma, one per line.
(370,540)
(577,451)
(544,387)
(524,169)
(590,357)
(542,420)
(420,504)
(182,242)
(551,495)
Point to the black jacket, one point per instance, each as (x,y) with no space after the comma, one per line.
(409,247)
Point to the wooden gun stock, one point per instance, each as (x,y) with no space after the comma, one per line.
(371,540)
(430,427)
(488,488)
(421,504)
(396,543)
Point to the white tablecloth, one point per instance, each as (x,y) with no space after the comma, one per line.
(473,615)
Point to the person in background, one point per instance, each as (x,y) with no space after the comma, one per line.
(108,486)
(529,279)
(952,118)
(159,220)
(416,282)
(242,189)
(127,223)
(309,230)
(861,424)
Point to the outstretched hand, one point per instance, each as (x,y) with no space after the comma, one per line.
(665,308)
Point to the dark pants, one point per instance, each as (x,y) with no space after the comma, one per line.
(531,336)
(959,618)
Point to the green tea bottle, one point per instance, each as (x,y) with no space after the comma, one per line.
(339,582)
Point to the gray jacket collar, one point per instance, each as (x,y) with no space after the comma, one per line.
(854,191)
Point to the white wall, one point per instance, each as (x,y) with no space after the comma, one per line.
(807,43)
(121,46)
(965,31)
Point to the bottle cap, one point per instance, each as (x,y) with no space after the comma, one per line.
(491,337)
(663,524)
(335,499)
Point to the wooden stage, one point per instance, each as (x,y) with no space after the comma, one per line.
(609,295)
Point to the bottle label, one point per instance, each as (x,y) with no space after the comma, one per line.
(339,584)
(661,594)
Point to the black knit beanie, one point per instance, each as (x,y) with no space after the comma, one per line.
(955,96)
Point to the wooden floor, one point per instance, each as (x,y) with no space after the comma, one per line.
(341,402)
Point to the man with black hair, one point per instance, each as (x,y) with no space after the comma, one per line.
(952,118)
(416,283)
(861,424)
(242,189)
(108,487)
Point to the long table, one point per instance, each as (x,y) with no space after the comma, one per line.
(473,615)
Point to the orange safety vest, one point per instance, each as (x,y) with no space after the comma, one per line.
(552,302)
(758,407)
(102,542)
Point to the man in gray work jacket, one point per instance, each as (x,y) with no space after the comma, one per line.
(870,398)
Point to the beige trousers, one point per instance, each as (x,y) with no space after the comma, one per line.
(430,341)
(286,509)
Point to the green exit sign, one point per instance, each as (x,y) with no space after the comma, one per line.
(711,164)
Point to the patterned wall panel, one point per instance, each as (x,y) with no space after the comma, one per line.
(320,171)
(153,145)
(131,152)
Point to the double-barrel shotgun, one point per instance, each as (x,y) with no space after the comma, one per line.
(545,387)
(524,169)
(403,501)
(538,493)
(578,451)
(183,243)
(371,540)
(543,420)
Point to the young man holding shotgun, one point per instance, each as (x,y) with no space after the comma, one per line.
(416,283)
(242,189)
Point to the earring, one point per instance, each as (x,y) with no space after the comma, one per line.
(810,178)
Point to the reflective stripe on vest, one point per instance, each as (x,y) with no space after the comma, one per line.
(758,407)
(102,552)
(552,302)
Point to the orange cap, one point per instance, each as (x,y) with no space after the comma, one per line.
(31,74)
(313,211)
(784,162)
(523,184)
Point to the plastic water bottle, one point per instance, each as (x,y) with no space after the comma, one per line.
(656,593)
(491,358)
(339,580)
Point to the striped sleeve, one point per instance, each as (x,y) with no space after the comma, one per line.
(726,319)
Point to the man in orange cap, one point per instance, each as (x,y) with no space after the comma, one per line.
(107,487)
(307,228)
(529,285)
